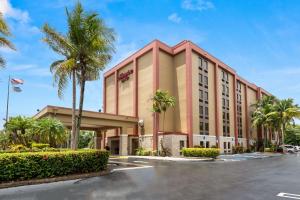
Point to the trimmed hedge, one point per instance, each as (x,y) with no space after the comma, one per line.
(30,165)
(201,152)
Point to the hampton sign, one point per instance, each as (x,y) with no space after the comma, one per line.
(125,76)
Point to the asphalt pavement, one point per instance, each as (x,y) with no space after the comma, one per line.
(255,179)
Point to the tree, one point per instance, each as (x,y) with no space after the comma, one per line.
(292,135)
(63,69)
(285,111)
(161,101)
(85,138)
(51,131)
(17,127)
(87,49)
(260,116)
(4,32)
(93,42)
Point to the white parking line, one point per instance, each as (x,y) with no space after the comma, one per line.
(131,168)
(139,161)
(288,195)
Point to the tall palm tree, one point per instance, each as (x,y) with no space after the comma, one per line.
(161,102)
(94,46)
(4,32)
(285,111)
(260,116)
(63,69)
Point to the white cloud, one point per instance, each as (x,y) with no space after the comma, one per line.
(174,18)
(14,13)
(197,5)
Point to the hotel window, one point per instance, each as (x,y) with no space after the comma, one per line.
(200,62)
(201,110)
(206,127)
(203,95)
(200,78)
(201,126)
(205,65)
(239,113)
(206,96)
(206,112)
(205,80)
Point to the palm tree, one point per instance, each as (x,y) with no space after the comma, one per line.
(63,69)
(4,32)
(260,115)
(51,131)
(161,102)
(18,127)
(285,111)
(93,42)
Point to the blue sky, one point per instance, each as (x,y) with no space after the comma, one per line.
(258,38)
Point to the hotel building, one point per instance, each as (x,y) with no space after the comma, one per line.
(213,103)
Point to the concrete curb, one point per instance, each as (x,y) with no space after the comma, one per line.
(175,159)
(54,179)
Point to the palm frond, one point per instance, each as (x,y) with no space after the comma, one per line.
(6,43)
(3,26)
(2,62)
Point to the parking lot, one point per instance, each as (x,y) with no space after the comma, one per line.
(264,178)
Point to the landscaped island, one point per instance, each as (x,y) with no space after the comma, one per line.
(33,165)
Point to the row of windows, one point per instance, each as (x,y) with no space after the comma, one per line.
(225,76)
(204,128)
(238,86)
(203,112)
(239,109)
(226,130)
(225,104)
(203,80)
(203,97)
(203,64)
(225,90)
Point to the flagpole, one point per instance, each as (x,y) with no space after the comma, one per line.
(7,100)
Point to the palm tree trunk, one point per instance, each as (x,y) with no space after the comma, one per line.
(81,99)
(282,136)
(73,134)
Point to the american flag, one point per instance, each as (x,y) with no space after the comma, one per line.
(16,81)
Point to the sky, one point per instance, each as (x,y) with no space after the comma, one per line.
(258,38)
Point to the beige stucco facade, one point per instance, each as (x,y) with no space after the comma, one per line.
(176,70)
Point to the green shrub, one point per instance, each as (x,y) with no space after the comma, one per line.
(268,150)
(29,165)
(17,148)
(143,152)
(237,149)
(39,145)
(201,152)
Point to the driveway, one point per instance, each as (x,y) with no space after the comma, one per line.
(255,179)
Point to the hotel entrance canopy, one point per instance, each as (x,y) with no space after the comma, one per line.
(90,120)
(94,121)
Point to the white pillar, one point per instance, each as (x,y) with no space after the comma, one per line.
(123,147)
